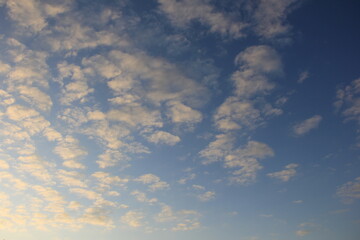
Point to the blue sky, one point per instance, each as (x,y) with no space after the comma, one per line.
(179,119)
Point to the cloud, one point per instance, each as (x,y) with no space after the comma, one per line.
(141,197)
(303,76)
(286,174)
(36,167)
(350,191)
(164,138)
(207,196)
(71,178)
(270,15)
(153,181)
(32,14)
(133,219)
(35,97)
(217,149)
(302,233)
(307,125)
(183,12)
(245,109)
(70,151)
(89,194)
(348,101)
(246,158)
(97,216)
(180,113)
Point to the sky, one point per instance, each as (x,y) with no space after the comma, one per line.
(179,119)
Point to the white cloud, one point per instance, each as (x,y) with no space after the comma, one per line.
(270,16)
(348,101)
(136,115)
(302,233)
(183,12)
(35,97)
(286,174)
(70,151)
(107,181)
(255,62)
(97,216)
(303,76)
(32,14)
(189,177)
(28,118)
(153,181)
(133,219)
(110,158)
(163,138)
(180,113)
(71,178)
(307,125)
(235,114)
(89,194)
(247,158)
(141,197)
(218,149)
(36,167)
(206,196)
(350,191)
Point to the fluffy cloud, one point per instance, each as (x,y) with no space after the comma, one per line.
(245,158)
(164,138)
(251,81)
(33,13)
(348,100)
(350,191)
(206,196)
(307,125)
(302,233)
(153,181)
(141,197)
(270,15)
(286,174)
(183,12)
(180,113)
(133,219)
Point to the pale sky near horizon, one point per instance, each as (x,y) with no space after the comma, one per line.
(179,119)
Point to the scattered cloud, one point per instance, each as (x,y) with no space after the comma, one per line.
(133,219)
(164,138)
(350,191)
(154,183)
(286,174)
(302,233)
(206,196)
(307,125)
(183,12)
(303,76)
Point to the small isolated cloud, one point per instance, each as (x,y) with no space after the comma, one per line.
(303,76)
(206,196)
(133,219)
(270,17)
(183,12)
(141,197)
(307,125)
(154,183)
(302,233)
(286,174)
(350,191)
(163,138)
(297,201)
